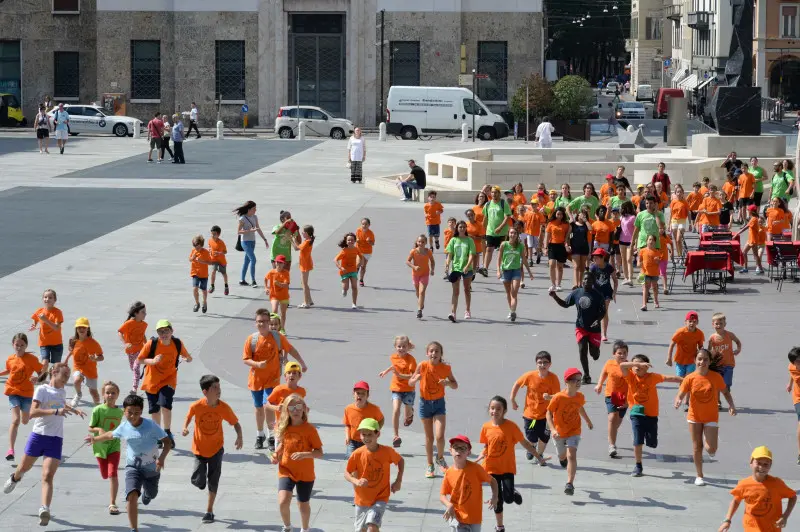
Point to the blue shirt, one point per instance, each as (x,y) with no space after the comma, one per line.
(142,443)
(62,117)
(177,132)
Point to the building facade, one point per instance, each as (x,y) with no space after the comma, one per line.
(711,23)
(342,55)
(681,61)
(776,49)
(649,44)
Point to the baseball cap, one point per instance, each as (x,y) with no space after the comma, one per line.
(752,208)
(369,424)
(495,187)
(761,452)
(82,322)
(600,252)
(609,176)
(163,324)
(535,201)
(292,366)
(639,186)
(461,438)
(553,191)
(361,385)
(571,372)
(692,315)
(281,258)
(614,209)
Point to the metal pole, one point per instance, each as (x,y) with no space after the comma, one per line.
(297,97)
(383,112)
(527,113)
(474,80)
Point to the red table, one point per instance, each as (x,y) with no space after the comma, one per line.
(795,251)
(696,261)
(730,246)
(710,235)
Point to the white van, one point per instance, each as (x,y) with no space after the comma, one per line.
(415,111)
(644,93)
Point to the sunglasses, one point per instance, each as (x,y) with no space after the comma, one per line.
(295,408)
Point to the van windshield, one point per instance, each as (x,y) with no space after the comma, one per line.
(476,109)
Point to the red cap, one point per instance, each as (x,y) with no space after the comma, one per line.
(600,252)
(461,438)
(692,315)
(752,208)
(609,176)
(361,385)
(281,259)
(571,372)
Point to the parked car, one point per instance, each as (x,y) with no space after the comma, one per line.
(630,110)
(613,87)
(11,111)
(644,93)
(661,108)
(318,122)
(95,119)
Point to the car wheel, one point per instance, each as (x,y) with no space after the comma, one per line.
(337,133)
(487,133)
(408,133)
(121,130)
(71,134)
(285,133)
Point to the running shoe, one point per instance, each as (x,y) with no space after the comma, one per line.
(744,270)
(513,316)
(254,284)
(10,484)
(437,244)
(440,461)
(558,288)
(563,463)
(699,481)
(205,308)
(637,471)
(344,293)
(227,290)
(759,271)
(361,283)
(208,518)
(196,307)
(10,455)
(76,400)
(451,317)
(429,472)
(354,306)
(612,451)
(467,315)
(145,499)
(528,456)
(530,262)
(271,444)
(569,489)
(587,379)
(44,516)
(260,441)
(538,258)
(552,288)
(419,314)
(243,283)
(397,442)
(517,497)
(211,289)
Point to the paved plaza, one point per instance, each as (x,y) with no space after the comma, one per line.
(103,228)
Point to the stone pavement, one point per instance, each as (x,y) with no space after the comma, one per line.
(121,259)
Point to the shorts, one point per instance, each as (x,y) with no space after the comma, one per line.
(594,338)
(602,245)
(607,291)
(651,278)
(539,432)
(369,515)
(352,445)
(155,143)
(200,282)
(581,250)
(662,267)
(533,241)
(645,430)
(682,370)
(207,471)
(614,250)
(623,243)
(511,275)
(433,230)
(455,526)
(62,134)
(557,252)
(304,488)
(494,241)
(366,256)
(430,408)
(454,277)
(90,383)
(109,465)
(51,353)
(611,408)
(744,202)
(47,446)
(18,401)
(351,275)
(797,410)
(260,396)
(142,481)
(221,268)
(42,133)
(679,224)
(727,375)
(162,399)
(420,280)
(407,398)
(709,424)
(563,443)
(281,301)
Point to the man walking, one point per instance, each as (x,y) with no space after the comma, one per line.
(414,180)
(193,121)
(177,139)
(61,120)
(155,131)
(543,133)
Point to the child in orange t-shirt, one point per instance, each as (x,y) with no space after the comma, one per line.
(200,260)
(133,337)
(694,199)
(434,375)
(616,392)
(49,320)
(477,232)
(276,285)
(649,262)
(747,183)
(709,210)
(564,415)
(464,507)
(422,264)
(356,412)
(725,345)
(85,353)
(448,234)
(666,250)
(433,219)
(20,368)
(347,261)
(793,388)
(292,372)
(533,220)
(754,238)
(208,414)
(218,251)
(679,218)
(688,340)
(298,446)
(365,239)
(403,366)
(540,385)
(306,264)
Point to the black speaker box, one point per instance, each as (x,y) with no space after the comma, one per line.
(737,110)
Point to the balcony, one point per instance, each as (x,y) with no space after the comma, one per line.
(699,20)
(673,12)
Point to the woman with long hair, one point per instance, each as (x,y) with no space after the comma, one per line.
(248,227)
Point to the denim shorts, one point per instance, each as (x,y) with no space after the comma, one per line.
(407,398)
(727,375)
(797,410)
(563,443)
(200,282)
(433,230)
(221,268)
(260,396)
(51,353)
(682,370)
(645,430)
(352,445)
(23,403)
(511,275)
(611,408)
(429,409)
(159,400)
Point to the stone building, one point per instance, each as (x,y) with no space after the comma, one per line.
(649,44)
(776,50)
(163,54)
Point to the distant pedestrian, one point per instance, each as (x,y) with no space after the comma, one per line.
(543,132)
(356,155)
(177,139)
(61,121)
(193,118)
(155,130)
(42,127)
(165,137)
(415,180)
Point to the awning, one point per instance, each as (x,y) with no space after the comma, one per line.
(688,83)
(706,82)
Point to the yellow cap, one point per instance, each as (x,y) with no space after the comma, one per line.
(292,366)
(761,452)
(82,322)
(495,187)
(535,201)
(554,191)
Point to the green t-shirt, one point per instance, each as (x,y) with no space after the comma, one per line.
(282,245)
(108,419)
(578,203)
(647,225)
(780,184)
(614,202)
(561,201)
(495,213)
(512,256)
(758,173)
(459,250)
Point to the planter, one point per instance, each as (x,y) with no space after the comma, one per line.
(572,130)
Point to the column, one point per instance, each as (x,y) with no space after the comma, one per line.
(273,56)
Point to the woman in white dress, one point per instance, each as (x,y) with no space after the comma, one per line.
(356,154)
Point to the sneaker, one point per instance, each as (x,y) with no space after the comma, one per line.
(10,484)
(149,160)
(344,293)
(759,271)
(569,489)
(451,317)
(227,290)
(211,289)
(538,258)
(612,451)
(798,459)
(446,277)
(354,306)
(361,283)
(587,379)
(604,338)
(563,463)
(145,499)
(286,529)
(254,284)
(75,401)
(62,151)
(558,288)
(467,315)
(196,307)
(405,199)
(637,471)
(530,263)
(528,456)
(158,161)
(205,308)
(271,444)
(699,481)
(710,454)
(552,288)
(437,244)
(513,316)
(171,438)
(208,518)
(10,455)
(517,497)
(429,472)
(243,283)
(744,270)
(440,461)
(419,314)
(44,516)
(260,441)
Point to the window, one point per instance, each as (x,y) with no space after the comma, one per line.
(66,7)
(289,113)
(634,27)
(473,110)
(145,70)
(493,62)
(66,74)
(230,70)
(653,28)
(313,114)
(74,110)
(10,70)
(404,63)
(789,20)
(655,69)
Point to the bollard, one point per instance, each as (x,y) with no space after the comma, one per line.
(137,125)
(220,128)
(382,132)
(464,132)
(301,131)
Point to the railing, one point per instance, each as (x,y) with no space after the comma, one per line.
(673,12)
(698,20)
(772,109)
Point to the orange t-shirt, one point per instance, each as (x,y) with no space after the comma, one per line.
(448,234)
(763,504)
(663,251)
(500,441)
(430,375)
(535,404)
(406,365)
(663,200)
(649,260)
(520,199)
(422,260)
(747,182)
(703,392)
(306,262)
(281,293)
(302,438)
(615,381)
(602,231)
(365,240)
(376,468)
(133,332)
(557,231)
(703,190)
(607,190)
(794,373)
(722,345)
(281,392)
(466,492)
(80,357)
(266,349)
(754,231)
(566,412)
(353,416)
(478,210)
(642,391)
(165,373)
(729,190)
(679,209)
(348,258)
(20,370)
(476,231)
(208,436)
(687,344)
(694,199)
(198,269)
(217,246)
(533,220)
(778,220)
(712,205)
(433,213)
(48,335)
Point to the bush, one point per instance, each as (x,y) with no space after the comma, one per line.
(573,98)
(540,98)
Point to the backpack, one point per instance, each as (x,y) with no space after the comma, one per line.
(282,358)
(154,345)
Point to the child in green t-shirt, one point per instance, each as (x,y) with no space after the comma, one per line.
(106,417)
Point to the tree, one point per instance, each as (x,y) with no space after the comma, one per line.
(572,98)
(540,97)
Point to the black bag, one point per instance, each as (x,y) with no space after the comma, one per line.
(239,243)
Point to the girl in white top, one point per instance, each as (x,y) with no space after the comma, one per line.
(42,126)
(356,155)
(165,138)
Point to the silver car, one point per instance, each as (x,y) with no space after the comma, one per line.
(630,110)
(318,122)
(95,119)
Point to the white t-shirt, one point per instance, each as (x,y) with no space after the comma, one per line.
(356,147)
(49,398)
(193,114)
(543,132)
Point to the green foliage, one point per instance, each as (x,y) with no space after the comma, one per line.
(540,97)
(573,98)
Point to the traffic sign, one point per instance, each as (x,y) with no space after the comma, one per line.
(667,62)
(245,108)
(482,76)
(465,80)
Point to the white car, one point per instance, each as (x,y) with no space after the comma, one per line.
(318,122)
(613,87)
(95,119)
(629,110)
(644,93)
